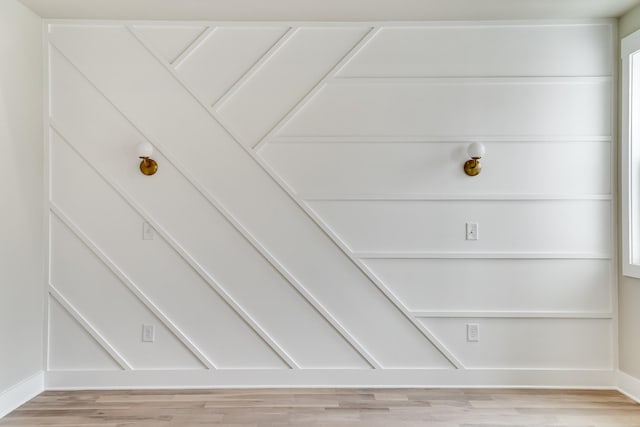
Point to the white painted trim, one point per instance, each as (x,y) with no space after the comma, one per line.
(513,314)
(331,74)
(579,22)
(88,327)
(133,288)
(479,255)
(344,197)
(46,196)
(235,378)
(614,189)
(204,35)
(22,392)
(269,54)
(461,139)
(628,385)
(465,80)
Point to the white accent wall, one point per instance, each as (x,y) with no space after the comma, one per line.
(22,239)
(310,205)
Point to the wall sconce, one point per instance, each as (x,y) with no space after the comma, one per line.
(476,152)
(148,166)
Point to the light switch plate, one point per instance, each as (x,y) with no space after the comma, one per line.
(148,333)
(472,231)
(473,332)
(148,233)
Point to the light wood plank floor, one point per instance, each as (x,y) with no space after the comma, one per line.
(329,407)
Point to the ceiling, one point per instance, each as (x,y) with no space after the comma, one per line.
(330,10)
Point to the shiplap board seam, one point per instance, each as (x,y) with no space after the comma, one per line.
(479,255)
(317,88)
(511,314)
(452,197)
(424,331)
(193,264)
(253,69)
(86,325)
(427,139)
(197,42)
(352,340)
(324,312)
(132,287)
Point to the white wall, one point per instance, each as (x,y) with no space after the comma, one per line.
(630,287)
(310,205)
(21,181)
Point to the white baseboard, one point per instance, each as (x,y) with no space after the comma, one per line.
(629,385)
(20,393)
(520,378)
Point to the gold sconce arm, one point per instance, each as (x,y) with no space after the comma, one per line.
(472,167)
(476,151)
(148,166)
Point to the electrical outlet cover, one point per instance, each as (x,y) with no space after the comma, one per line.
(473,332)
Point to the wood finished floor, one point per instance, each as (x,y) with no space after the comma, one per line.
(329,407)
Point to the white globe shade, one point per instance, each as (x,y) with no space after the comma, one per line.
(145,149)
(476,150)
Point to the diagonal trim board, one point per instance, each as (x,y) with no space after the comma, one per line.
(75,314)
(137,292)
(194,45)
(173,41)
(264,58)
(390,296)
(410,346)
(69,333)
(273,132)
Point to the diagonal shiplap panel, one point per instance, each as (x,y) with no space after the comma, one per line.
(286,77)
(223,57)
(109,307)
(71,347)
(139,86)
(170,41)
(199,228)
(153,266)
